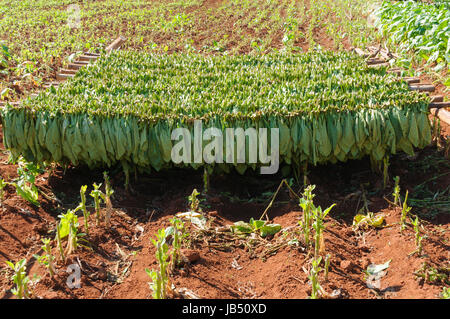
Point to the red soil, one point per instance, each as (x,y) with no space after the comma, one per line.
(115,267)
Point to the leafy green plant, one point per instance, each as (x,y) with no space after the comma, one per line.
(179,234)
(96,193)
(433,275)
(261,227)
(327,266)
(306,203)
(20,278)
(59,241)
(46,259)
(107,199)
(25,183)
(419,27)
(397,191)
(2,189)
(194,202)
(405,210)
(445,294)
(69,228)
(418,238)
(316,289)
(82,207)
(318,225)
(160,277)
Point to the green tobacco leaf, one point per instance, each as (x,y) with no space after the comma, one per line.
(270,229)
(256,224)
(241,227)
(64,228)
(28,193)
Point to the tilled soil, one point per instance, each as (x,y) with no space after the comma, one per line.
(221,264)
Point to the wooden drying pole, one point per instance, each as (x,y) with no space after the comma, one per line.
(437,105)
(83,60)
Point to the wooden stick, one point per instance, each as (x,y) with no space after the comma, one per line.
(437,98)
(375,61)
(411,80)
(87,58)
(63,77)
(397,71)
(422,87)
(75,66)
(54,84)
(91,54)
(116,44)
(67,71)
(439,105)
(81,62)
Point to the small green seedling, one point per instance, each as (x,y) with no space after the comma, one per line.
(82,207)
(96,193)
(194,203)
(48,258)
(316,289)
(397,191)
(107,199)
(405,211)
(178,231)
(59,242)
(25,183)
(160,277)
(2,189)
(419,238)
(306,203)
(20,278)
(69,228)
(327,266)
(445,294)
(319,227)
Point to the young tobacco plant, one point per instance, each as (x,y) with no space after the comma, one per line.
(316,289)
(82,207)
(25,183)
(2,189)
(194,202)
(405,211)
(46,259)
(69,228)
(107,199)
(178,231)
(416,224)
(96,193)
(397,191)
(160,277)
(306,203)
(20,278)
(59,242)
(319,226)
(327,266)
